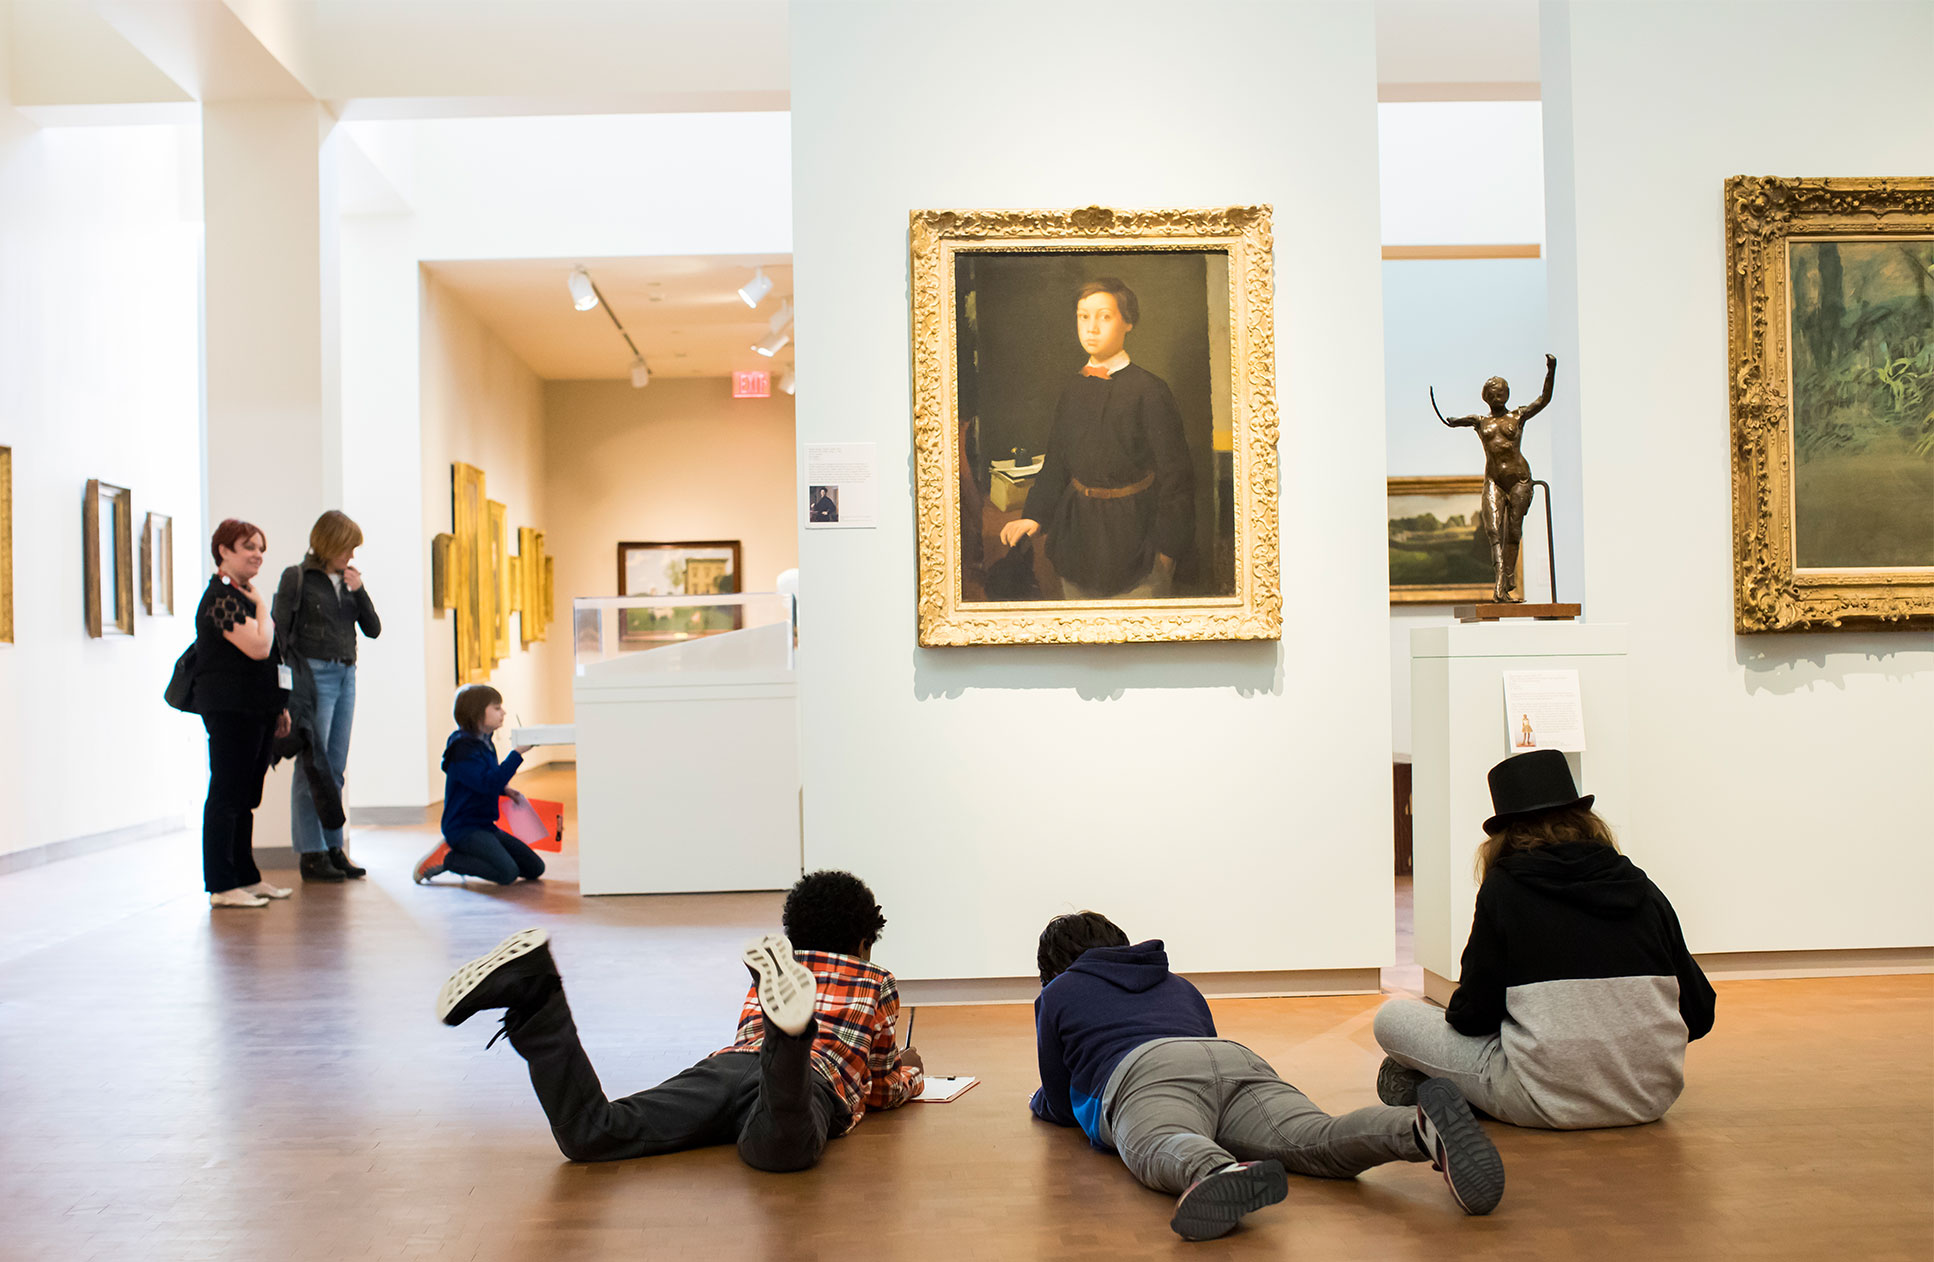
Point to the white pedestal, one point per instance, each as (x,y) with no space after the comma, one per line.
(688,767)
(1458,734)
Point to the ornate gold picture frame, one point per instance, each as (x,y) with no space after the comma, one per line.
(1008,396)
(1832,390)
(107,559)
(6,545)
(473,584)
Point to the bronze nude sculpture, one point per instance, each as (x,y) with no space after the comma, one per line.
(1507,477)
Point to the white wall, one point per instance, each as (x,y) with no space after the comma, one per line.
(680,459)
(100,251)
(1461,172)
(575,186)
(1779,780)
(1231,798)
(484,406)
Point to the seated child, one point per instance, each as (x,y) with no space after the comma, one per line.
(1129,1053)
(815,1047)
(473,780)
(1577,995)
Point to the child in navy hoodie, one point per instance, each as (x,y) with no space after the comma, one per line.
(473,780)
(1129,1053)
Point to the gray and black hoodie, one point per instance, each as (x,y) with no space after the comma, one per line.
(1577,963)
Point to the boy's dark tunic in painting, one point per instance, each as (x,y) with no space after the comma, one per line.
(1111,435)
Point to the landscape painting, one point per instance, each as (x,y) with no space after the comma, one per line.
(1439,551)
(1861,328)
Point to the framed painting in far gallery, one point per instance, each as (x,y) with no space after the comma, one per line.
(1439,552)
(1094,426)
(6,545)
(107,558)
(1830,315)
(705,567)
(158,565)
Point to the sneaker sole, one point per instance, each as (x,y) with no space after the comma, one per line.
(1215,1206)
(466,979)
(1397,1084)
(1459,1147)
(786,987)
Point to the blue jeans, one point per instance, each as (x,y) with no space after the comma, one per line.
(492,854)
(335,711)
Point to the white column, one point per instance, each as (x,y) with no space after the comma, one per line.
(273,456)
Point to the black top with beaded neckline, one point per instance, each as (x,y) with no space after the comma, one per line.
(227,679)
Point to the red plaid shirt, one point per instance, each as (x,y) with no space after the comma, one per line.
(854,1050)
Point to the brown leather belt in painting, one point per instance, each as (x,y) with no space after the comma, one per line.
(1113,492)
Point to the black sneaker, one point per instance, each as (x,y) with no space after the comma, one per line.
(519,974)
(1459,1147)
(1397,1083)
(316,867)
(1213,1205)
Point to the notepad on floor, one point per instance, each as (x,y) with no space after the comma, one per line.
(945,1090)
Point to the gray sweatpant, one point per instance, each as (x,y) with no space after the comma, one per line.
(1414,1033)
(1177,1109)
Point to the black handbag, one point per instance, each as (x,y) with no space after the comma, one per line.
(180,692)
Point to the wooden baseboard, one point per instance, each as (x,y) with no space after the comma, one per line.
(953,991)
(1865,962)
(74,847)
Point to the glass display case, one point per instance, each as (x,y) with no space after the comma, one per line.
(607,628)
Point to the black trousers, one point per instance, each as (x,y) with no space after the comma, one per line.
(238,758)
(770,1103)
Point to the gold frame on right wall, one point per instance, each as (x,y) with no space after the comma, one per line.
(1770,225)
(6,545)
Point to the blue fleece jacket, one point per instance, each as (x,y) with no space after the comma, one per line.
(473,780)
(1109,1002)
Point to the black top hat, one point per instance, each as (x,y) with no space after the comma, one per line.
(1529,783)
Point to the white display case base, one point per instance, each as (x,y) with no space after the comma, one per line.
(1458,735)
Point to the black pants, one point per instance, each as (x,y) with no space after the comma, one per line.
(238,758)
(771,1104)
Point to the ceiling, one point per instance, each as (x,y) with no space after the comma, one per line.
(684,313)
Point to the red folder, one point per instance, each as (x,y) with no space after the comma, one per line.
(535,822)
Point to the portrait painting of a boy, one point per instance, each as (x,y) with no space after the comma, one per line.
(1094,438)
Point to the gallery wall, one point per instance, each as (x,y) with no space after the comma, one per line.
(100,251)
(482,405)
(679,459)
(1231,798)
(496,188)
(1779,780)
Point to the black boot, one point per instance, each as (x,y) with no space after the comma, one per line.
(316,867)
(340,861)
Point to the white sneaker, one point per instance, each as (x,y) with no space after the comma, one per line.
(786,987)
(237,898)
(263,889)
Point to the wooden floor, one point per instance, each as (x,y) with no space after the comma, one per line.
(176,1083)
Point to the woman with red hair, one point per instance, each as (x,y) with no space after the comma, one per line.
(240,689)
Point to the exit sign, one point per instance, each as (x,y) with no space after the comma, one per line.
(752,385)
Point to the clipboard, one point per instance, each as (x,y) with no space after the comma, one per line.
(944,1090)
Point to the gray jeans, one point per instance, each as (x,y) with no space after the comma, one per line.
(1414,1033)
(1177,1109)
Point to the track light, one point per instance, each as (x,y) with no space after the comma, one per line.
(788,382)
(640,375)
(755,290)
(772,344)
(782,318)
(584,295)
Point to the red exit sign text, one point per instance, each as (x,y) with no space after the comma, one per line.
(752,385)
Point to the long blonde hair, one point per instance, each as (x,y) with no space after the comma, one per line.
(1546,828)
